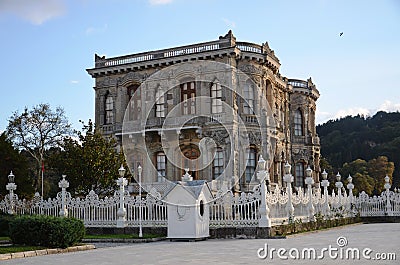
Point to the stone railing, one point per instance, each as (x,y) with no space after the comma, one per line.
(249,47)
(179,51)
(166,53)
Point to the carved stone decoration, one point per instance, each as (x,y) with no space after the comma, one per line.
(133,77)
(249,68)
(255,138)
(107,82)
(299,154)
(220,137)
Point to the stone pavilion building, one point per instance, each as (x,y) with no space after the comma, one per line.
(292,105)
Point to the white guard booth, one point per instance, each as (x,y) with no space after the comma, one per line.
(188,210)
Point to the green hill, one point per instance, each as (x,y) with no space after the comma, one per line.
(351,138)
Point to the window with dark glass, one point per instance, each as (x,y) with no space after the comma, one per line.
(161,166)
(299,182)
(248,103)
(109,110)
(216,98)
(160,103)
(188,98)
(298,123)
(218,166)
(135,102)
(251,164)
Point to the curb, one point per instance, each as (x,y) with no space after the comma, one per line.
(124,240)
(322,230)
(42,252)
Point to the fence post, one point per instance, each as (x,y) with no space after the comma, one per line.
(263,177)
(140,197)
(388,205)
(11,186)
(309,182)
(63,184)
(350,187)
(121,182)
(339,186)
(325,184)
(288,178)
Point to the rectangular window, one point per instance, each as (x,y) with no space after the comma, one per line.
(218,166)
(188,97)
(299,175)
(161,167)
(251,164)
(160,103)
(109,109)
(248,103)
(135,102)
(216,98)
(298,123)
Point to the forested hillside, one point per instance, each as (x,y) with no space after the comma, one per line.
(351,138)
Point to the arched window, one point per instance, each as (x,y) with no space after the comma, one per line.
(248,103)
(160,103)
(192,153)
(298,123)
(216,98)
(299,182)
(251,163)
(109,110)
(135,102)
(218,165)
(188,97)
(161,166)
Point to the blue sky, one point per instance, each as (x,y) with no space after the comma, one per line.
(47,45)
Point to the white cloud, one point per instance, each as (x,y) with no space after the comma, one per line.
(389,106)
(94,30)
(35,11)
(159,2)
(352,112)
(74,81)
(229,23)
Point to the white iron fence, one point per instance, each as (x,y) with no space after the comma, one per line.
(280,206)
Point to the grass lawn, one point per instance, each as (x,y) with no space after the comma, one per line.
(120,236)
(12,249)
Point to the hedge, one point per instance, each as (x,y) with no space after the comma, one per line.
(48,231)
(5,220)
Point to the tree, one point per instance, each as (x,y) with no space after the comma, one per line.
(12,160)
(362,181)
(37,130)
(379,168)
(90,162)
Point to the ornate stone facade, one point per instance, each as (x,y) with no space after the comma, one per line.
(292,105)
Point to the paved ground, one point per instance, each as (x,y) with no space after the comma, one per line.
(382,238)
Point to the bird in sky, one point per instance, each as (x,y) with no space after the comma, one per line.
(341,33)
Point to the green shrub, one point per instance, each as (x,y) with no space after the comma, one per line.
(5,220)
(48,231)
